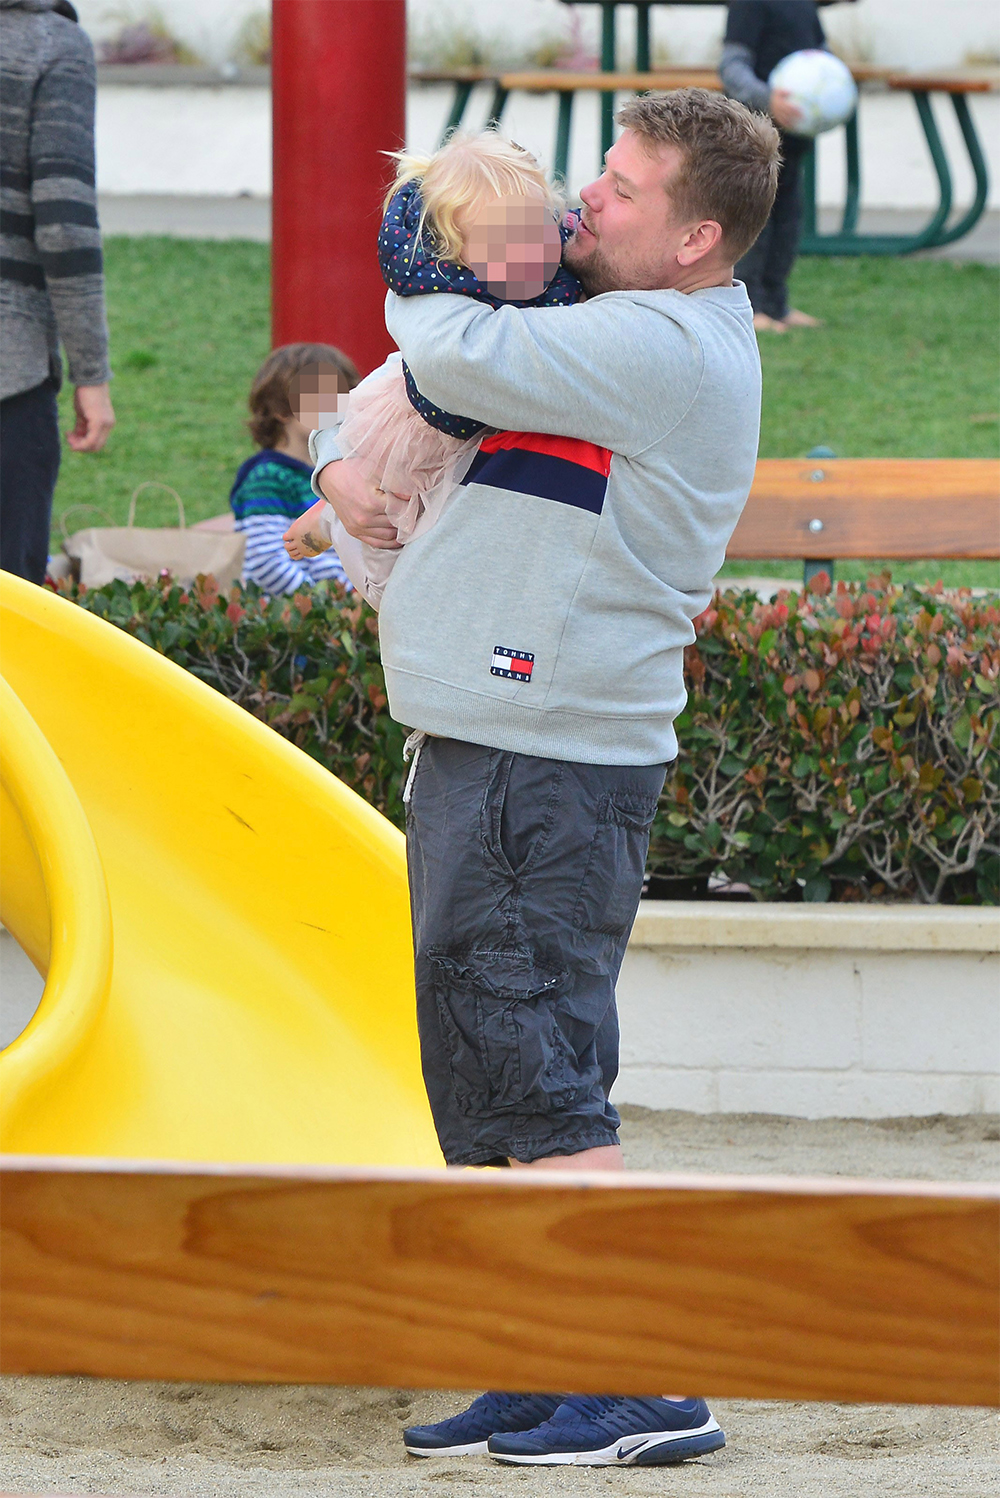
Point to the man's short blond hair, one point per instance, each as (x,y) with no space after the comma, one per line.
(463,176)
(729,171)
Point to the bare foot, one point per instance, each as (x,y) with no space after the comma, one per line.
(797,319)
(764,324)
(302,538)
(301,547)
(301,544)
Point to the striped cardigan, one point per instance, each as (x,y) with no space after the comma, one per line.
(51,273)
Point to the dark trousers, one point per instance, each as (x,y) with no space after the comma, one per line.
(525,876)
(29,467)
(767,265)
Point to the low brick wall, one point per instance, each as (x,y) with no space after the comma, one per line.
(814,1011)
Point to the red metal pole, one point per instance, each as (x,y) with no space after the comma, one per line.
(339,99)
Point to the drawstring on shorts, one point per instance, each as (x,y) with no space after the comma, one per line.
(411,753)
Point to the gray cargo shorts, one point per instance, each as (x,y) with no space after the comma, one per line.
(525,876)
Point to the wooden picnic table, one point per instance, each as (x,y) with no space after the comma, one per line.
(847,240)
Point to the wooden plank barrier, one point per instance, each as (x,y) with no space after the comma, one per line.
(762,1287)
(871,507)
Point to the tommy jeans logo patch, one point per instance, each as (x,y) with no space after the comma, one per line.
(515,664)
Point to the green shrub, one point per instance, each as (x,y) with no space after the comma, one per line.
(842,744)
(845,742)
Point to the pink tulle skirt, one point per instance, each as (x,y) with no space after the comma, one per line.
(416,465)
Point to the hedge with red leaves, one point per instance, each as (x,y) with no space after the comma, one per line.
(839,744)
(844,742)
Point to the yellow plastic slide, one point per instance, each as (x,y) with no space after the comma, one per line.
(223,925)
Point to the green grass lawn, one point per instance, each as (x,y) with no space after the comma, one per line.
(189,327)
(905,367)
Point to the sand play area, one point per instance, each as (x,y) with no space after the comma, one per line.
(79,1435)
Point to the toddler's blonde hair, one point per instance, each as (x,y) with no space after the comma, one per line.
(464,174)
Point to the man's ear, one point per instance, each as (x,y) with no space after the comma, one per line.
(700,240)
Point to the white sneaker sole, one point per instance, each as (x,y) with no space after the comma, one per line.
(476,1448)
(624,1453)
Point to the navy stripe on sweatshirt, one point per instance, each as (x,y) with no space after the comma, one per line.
(542,475)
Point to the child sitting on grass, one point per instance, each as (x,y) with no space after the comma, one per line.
(289,398)
(478,218)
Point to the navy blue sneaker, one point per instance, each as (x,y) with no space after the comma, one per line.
(491,1414)
(605,1431)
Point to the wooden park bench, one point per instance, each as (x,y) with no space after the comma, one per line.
(821,510)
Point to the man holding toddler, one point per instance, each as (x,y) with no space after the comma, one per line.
(535,638)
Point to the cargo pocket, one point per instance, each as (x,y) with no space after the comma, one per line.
(505,1048)
(612,882)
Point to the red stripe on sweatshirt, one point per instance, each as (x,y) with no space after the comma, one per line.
(572,449)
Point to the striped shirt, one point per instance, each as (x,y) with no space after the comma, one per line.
(51,272)
(271,490)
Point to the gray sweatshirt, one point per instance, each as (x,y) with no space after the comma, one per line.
(51,273)
(548,609)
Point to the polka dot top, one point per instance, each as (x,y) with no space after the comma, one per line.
(410,268)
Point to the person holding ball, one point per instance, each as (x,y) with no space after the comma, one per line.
(759,33)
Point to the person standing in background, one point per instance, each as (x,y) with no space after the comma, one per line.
(759,33)
(51,269)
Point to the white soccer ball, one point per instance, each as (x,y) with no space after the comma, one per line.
(821,87)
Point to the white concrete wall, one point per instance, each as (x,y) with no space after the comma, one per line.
(217,141)
(893,33)
(855,1030)
(808,1031)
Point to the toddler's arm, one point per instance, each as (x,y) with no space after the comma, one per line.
(309,535)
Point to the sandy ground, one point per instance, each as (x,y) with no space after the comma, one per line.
(78,1435)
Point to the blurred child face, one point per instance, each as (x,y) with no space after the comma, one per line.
(513,246)
(318,396)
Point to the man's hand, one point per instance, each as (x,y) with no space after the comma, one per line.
(94,418)
(360,506)
(783,112)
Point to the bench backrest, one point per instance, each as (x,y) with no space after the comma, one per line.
(871,507)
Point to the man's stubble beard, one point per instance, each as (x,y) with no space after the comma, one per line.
(595,273)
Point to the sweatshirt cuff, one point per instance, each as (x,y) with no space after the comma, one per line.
(88,374)
(323,449)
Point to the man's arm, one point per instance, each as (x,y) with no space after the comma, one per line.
(612,371)
(356,501)
(739,80)
(66,233)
